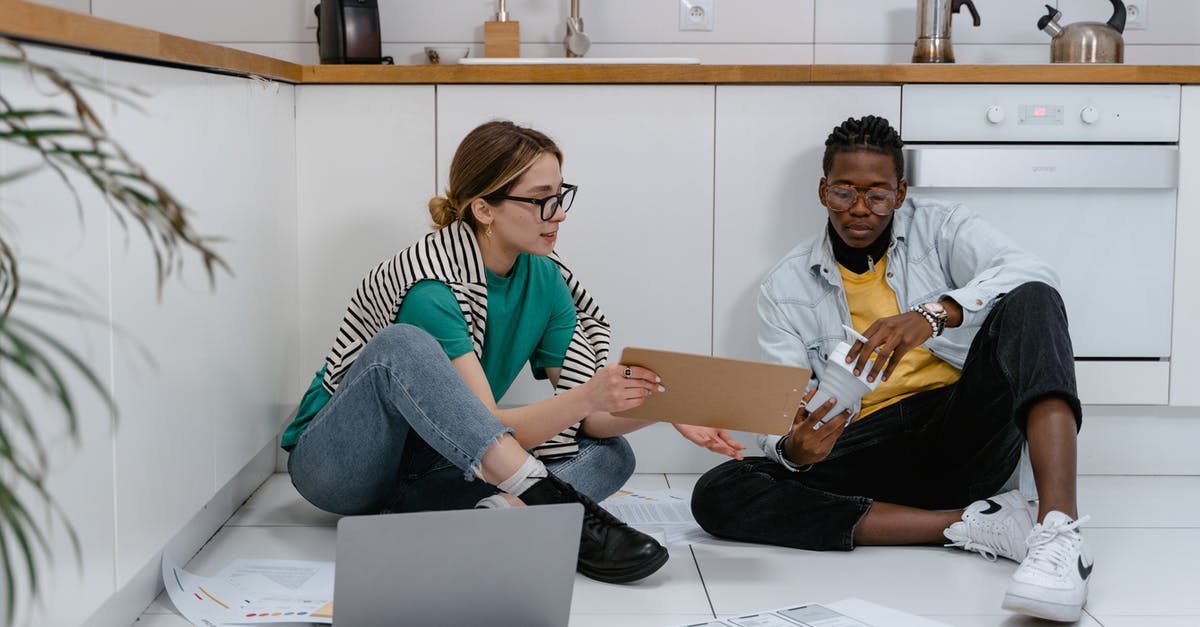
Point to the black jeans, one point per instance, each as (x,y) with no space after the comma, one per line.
(940,449)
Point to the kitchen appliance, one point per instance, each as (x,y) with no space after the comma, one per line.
(933,29)
(348,31)
(1084,176)
(1086,42)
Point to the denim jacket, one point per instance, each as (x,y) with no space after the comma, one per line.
(939,250)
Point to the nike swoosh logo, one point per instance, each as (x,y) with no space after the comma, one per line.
(993,507)
(1084,571)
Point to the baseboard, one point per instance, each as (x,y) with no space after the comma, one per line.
(127,604)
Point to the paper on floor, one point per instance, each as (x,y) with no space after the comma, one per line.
(844,613)
(664,514)
(253,592)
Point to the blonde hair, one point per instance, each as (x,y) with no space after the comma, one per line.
(488,162)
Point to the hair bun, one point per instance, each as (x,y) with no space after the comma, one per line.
(442,211)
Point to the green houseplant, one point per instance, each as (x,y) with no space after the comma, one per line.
(71,142)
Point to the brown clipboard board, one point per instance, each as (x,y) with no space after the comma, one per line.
(712,391)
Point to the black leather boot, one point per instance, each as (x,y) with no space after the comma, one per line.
(609,550)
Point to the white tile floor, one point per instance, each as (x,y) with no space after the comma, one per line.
(1145,534)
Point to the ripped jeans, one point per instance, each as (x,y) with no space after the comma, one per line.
(403,432)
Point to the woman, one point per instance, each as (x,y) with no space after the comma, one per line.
(405,406)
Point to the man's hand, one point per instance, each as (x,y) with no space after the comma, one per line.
(889,339)
(809,442)
(714,439)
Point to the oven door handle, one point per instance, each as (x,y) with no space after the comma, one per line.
(1041,166)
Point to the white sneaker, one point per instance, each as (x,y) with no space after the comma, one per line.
(995,527)
(1052,580)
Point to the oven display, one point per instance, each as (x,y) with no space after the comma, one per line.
(1046,115)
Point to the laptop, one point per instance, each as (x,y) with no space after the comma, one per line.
(500,567)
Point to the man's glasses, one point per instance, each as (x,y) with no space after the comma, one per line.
(881,202)
(548,205)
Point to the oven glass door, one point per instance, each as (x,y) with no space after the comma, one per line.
(1102,216)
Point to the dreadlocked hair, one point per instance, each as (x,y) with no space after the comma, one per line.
(871,133)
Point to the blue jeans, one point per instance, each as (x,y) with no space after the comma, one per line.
(403,432)
(940,449)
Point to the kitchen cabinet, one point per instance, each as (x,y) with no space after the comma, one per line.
(1185,334)
(212,396)
(57,248)
(365,170)
(197,374)
(770,142)
(640,233)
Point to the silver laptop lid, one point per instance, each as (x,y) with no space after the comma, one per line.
(513,566)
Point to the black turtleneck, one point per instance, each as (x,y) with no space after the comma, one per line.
(859,260)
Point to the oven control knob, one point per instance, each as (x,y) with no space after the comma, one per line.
(995,114)
(1089,115)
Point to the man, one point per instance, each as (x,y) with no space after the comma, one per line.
(968,341)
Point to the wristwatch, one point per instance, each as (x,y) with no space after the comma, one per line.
(935,314)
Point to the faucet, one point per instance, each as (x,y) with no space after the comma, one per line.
(576,42)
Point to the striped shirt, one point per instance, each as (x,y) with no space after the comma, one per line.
(451,255)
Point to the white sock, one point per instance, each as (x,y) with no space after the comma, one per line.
(495,501)
(528,474)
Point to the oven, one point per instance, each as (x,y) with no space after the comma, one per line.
(1086,177)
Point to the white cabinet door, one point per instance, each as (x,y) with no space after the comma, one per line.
(65,249)
(365,173)
(640,233)
(770,141)
(1185,336)
(252,152)
(208,397)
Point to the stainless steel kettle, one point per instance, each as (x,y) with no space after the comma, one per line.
(1086,42)
(933,29)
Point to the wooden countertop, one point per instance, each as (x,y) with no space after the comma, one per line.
(38,23)
(751,74)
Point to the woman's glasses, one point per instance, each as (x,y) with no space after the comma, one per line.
(548,205)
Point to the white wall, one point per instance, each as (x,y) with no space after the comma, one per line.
(745,31)
(199,375)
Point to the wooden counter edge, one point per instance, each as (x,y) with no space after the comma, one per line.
(37,23)
(1060,73)
(557,74)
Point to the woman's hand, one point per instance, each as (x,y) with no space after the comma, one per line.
(810,442)
(889,339)
(714,439)
(617,387)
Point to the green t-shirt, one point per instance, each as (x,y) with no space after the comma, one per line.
(530,319)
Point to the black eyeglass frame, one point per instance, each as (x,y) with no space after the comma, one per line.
(542,203)
(861,192)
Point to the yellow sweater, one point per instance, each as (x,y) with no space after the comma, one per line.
(871,298)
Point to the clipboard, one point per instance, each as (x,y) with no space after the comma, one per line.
(712,391)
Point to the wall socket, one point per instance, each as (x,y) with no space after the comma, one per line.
(1137,15)
(696,14)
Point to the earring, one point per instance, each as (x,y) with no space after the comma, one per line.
(488,233)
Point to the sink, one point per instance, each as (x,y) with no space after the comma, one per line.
(578,60)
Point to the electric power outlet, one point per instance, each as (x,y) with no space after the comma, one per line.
(696,14)
(310,17)
(1137,15)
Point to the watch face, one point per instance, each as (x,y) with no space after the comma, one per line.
(934,308)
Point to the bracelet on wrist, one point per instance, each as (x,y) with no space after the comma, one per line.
(781,450)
